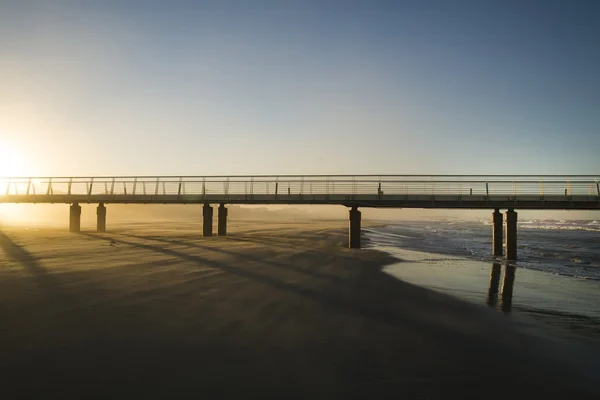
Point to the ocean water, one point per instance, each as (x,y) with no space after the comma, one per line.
(570,248)
(556,278)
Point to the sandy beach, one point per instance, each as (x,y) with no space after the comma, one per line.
(277,309)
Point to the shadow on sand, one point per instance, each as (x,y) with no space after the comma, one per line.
(375,296)
(245,256)
(30,263)
(363,335)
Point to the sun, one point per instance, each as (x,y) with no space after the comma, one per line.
(12,163)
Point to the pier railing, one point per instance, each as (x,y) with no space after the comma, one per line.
(306,185)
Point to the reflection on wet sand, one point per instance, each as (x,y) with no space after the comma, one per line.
(494,283)
(507,287)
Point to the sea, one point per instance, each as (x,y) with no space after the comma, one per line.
(555,281)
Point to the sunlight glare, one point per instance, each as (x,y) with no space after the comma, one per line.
(11,161)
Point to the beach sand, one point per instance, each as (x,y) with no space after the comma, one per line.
(156,311)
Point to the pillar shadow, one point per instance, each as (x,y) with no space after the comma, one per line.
(375,302)
(18,253)
(47,282)
(29,262)
(244,256)
(273,241)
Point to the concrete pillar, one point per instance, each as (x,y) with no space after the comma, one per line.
(75,218)
(507,287)
(494,285)
(101,218)
(354,229)
(222,224)
(207,220)
(497,233)
(511,235)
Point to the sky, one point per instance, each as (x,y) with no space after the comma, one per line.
(299,87)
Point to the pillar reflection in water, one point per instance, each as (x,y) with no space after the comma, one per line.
(507,287)
(494,284)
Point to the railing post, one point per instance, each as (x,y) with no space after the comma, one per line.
(49,190)
(91,187)
(134,186)
(164,187)
(597,189)
(112,187)
(156,188)
(28,186)
(179,187)
(487,191)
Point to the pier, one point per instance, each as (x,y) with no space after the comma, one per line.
(497,193)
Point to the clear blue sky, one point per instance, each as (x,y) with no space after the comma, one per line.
(280,87)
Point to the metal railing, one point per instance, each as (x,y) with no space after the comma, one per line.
(306,185)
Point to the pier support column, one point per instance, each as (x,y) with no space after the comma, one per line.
(101,218)
(354,229)
(75,218)
(222,224)
(511,235)
(494,284)
(207,220)
(507,287)
(497,233)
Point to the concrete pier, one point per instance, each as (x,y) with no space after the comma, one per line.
(497,233)
(101,218)
(222,220)
(494,285)
(511,235)
(507,287)
(75,218)
(354,228)
(207,220)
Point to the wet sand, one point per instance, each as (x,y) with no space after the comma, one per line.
(566,305)
(284,310)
